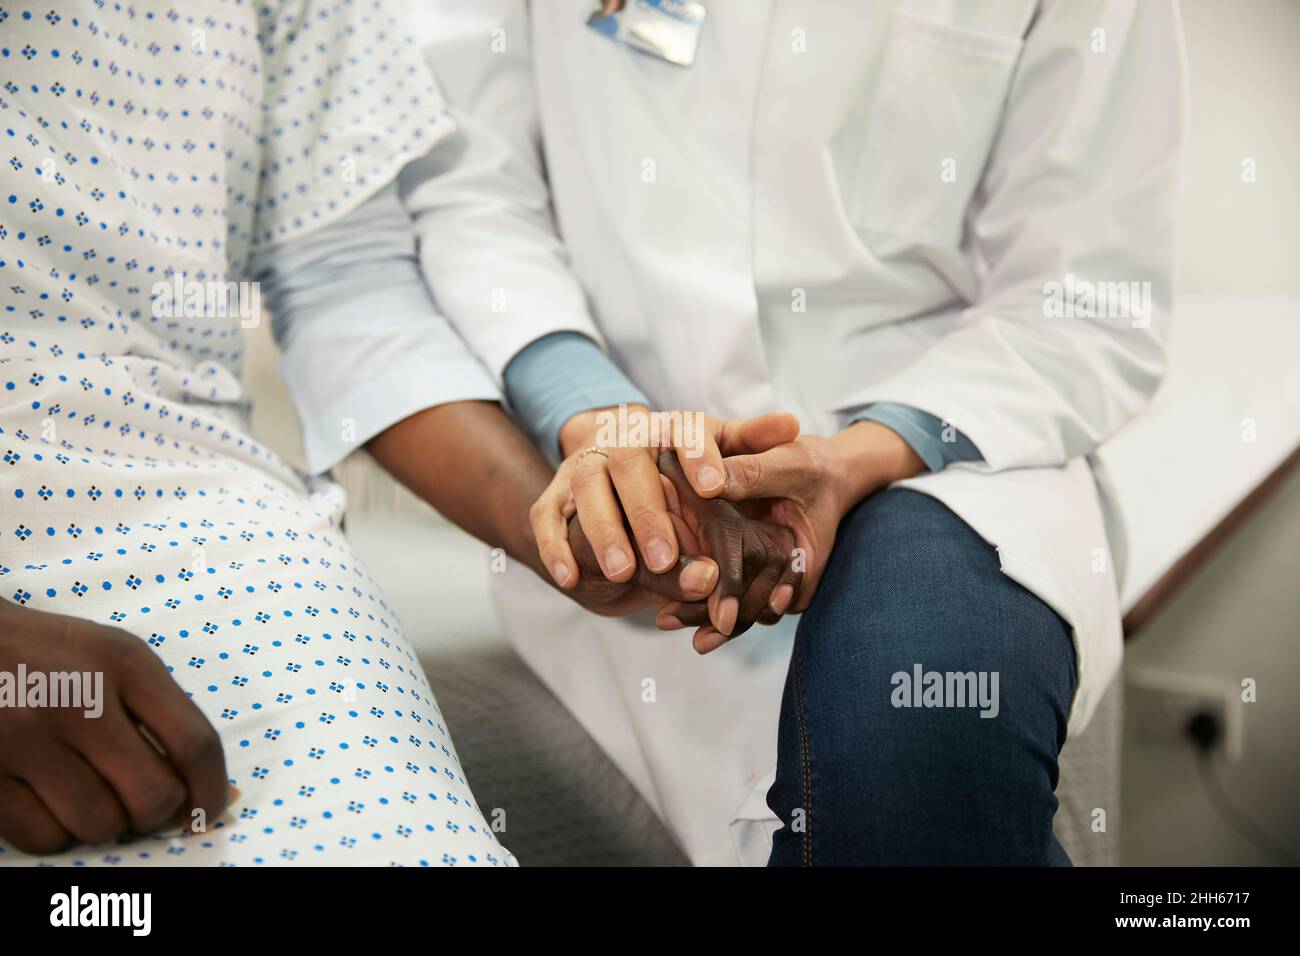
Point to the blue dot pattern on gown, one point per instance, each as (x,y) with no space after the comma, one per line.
(145,142)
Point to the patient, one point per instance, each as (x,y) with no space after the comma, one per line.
(243,693)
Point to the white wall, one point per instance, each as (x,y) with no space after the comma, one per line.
(1244,60)
(1240,617)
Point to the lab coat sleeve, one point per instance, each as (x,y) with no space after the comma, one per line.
(363,346)
(1082,182)
(488,243)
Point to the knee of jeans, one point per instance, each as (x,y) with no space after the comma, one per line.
(915,682)
(911,588)
(947,740)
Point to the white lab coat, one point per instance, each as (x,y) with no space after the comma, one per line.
(839,203)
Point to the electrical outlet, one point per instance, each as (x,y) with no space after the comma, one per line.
(1161,704)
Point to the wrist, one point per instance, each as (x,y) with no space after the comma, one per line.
(872,456)
(580,430)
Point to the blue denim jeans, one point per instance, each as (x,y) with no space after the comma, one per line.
(884,757)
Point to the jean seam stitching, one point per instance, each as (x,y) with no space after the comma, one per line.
(805,760)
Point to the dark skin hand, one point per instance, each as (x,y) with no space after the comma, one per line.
(470,461)
(755,558)
(152,758)
(66,777)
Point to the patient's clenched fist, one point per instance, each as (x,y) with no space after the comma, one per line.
(133,755)
(759,578)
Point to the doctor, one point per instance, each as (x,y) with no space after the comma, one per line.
(910,223)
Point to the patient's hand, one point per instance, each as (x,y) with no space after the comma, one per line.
(760,576)
(137,755)
(605,478)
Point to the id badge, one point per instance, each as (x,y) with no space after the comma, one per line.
(668,29)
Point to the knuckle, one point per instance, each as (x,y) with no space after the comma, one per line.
(538,510)
(130,658)
(550,550)
(604,533)
(157,804)
(777,559)
(100,822)
(750,471)
(120,650)
(804,457)
(199,746)
(585,476)
(642,516)
(623,457)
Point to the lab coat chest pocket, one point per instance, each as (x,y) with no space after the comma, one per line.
(935,112)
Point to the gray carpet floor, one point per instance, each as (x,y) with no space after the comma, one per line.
(565,803)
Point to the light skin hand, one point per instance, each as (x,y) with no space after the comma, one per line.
(602,488)
(692,582)
(623,481)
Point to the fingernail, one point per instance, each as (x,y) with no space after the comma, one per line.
(781,598)
(728,611)
(669,622)
(616,560)
(708,478)
(659,555)
(560,571)
(698,577)
(708,642)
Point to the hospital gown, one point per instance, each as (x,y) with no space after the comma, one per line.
(145,143)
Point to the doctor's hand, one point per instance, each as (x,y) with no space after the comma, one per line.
(809,484)
(692,580)
(606,475)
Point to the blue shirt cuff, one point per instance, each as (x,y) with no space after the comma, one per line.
(556,377)
(935,442)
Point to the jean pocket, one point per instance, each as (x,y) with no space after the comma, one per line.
(938,104)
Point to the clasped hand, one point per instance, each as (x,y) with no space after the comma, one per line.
(731,528)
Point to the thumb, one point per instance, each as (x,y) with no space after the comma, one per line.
(771,474)
(742,436)
(691,580)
